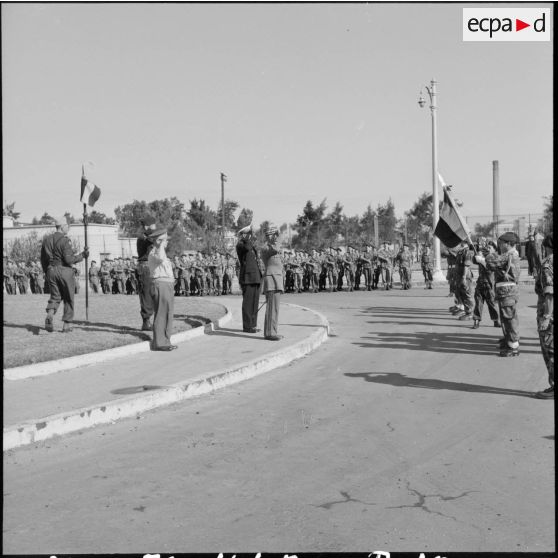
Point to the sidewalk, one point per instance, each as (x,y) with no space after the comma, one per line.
(37,408)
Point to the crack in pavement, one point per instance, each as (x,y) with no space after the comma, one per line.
(348,498)
(422,501)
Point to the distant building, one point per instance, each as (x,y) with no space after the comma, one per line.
(104,241)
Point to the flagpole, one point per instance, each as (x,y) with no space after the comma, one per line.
(86,269)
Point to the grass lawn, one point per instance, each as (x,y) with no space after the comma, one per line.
(114,320)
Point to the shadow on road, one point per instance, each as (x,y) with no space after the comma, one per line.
(404,311)
(455,343)
(400,380)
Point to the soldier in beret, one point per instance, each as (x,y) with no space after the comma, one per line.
(57,258)
(544,287)
(506,270)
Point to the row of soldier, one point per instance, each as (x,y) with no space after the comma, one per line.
(26,278)
(368,267)
(212,274)
(195,275)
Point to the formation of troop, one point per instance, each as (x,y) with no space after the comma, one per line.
(196,274)
(368,268)
(27,278)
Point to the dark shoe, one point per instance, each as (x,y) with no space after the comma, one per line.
(165,348)
(476,324)
(274,337)
(497,324)
(465,316)
(252,330)
(67,328)
(49,323)
(509,352)
(548,393)
(146,326)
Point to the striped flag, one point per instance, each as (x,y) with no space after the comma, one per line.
(450,229)
(90,193)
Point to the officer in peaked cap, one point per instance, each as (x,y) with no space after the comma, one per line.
(273,281)
(162,281)
(249,278)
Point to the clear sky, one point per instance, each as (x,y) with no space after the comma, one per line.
(293,102)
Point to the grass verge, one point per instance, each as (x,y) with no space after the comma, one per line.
(114,320)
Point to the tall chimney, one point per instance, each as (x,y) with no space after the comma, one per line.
(495,195)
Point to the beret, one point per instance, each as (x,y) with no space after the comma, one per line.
(509,237)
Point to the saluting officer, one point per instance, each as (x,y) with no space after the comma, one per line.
(144,245)
(250,279)
(272,283)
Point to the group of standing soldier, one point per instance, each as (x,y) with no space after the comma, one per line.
(372,268)
(195,275)
(27,278)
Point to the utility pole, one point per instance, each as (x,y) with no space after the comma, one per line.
(223,180)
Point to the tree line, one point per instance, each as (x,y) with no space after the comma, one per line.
(197,226)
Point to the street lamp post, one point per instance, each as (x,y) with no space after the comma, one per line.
(437,275)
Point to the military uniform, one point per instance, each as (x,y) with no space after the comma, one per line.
(94,277)
(403,258)
(385,269)
(106,281)
(484,292)
(426,265)
(228,275)
(507,270)
(57,258)
(464,281)
(544,287)
(366,267)
(272,283)
(143,246)
(250,278)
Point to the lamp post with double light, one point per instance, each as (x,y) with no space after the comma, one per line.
(437,274)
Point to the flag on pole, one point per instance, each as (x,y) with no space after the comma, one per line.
(90,193)
(223,177)
(450,229)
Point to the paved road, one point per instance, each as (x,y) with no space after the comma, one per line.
(403,432)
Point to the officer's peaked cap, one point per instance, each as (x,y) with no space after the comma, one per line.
(147,220)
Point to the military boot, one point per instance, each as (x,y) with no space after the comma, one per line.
(146,326)
(49,321)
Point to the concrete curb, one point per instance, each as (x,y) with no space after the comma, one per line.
(129,406)
(78,361)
